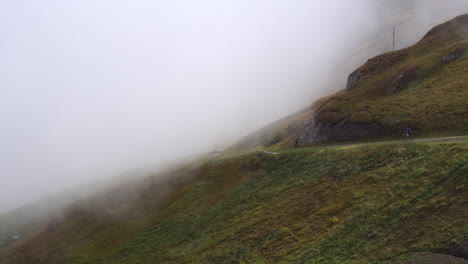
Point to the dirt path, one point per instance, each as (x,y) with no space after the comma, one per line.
(423,140)
(443,139)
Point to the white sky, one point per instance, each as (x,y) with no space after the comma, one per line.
(93,88)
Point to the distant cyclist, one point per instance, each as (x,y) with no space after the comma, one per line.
(408,133)
(296,143)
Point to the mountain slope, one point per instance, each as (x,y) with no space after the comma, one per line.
(351,205)
(383,203)
(424,86)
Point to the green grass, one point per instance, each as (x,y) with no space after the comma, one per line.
(433,102)
(366,204)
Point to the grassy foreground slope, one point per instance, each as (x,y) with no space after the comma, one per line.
(366,204)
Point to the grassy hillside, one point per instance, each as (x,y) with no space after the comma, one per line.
(424,86)
(432,94)
(384,203)
(364,204)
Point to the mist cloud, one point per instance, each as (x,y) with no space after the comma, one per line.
(90,89)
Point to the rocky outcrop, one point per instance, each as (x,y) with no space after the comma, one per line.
(353,78)
(460,250)
(321,132)
(455,54)
(401,80)
(375,65)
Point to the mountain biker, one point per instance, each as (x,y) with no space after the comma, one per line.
(296,143)
(409,133)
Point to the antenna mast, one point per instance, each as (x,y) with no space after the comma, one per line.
(393,38)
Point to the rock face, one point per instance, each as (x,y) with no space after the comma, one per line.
(401,80)
(353,78)
(460,250)
(453,55)
(320,132)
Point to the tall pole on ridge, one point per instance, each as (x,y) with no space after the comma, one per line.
(393,38)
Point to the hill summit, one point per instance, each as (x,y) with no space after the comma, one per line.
(424,87)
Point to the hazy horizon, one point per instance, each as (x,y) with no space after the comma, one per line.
(92,89)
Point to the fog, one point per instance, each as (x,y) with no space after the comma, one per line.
(94,88)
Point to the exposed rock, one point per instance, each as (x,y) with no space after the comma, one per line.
(401,80)
(319,132)
(353,78)
(455,54)
(460,250)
